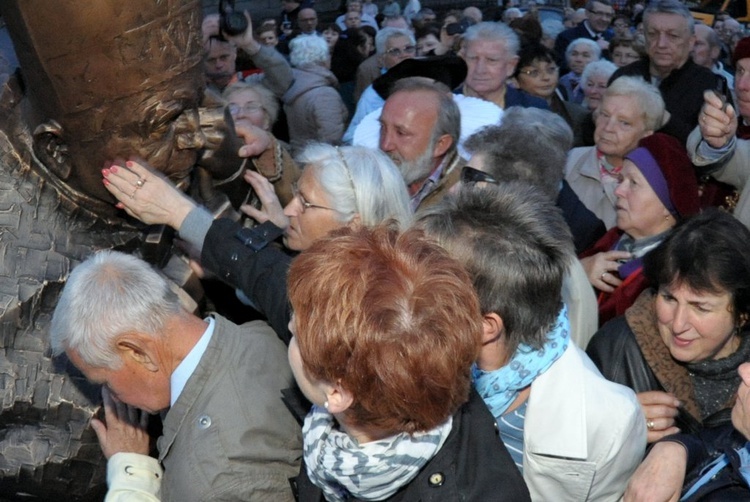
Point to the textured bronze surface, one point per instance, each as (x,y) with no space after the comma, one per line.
(101,79)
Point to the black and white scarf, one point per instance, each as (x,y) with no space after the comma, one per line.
(341,467)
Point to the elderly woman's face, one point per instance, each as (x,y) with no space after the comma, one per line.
(310,213)
(580,56)
(539,78)
(620,125)
(640,213)
(593,90)
(694,325)
(247,104)
(623,56)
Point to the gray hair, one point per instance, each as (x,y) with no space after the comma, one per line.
(109,294)
(360,180)
(448,113)
(267,99)
(583,41)
(385,34)
(530,145)
(669,7)
(598,68)
(499,32)
(516,247)
(646,95)
(308,50)
(552,27)
(712,39)
(514,11)
(590,3)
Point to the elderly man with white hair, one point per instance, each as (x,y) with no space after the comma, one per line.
(491,54)
(227,434)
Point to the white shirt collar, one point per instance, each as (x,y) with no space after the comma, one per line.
(185,369)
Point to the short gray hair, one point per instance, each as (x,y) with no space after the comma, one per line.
(530,145)
(385,34)
(583,41)
(109,294)
(448,114)
(488,30)
(516,247)
(267,99)
(646,95)
(669,7)
(360,180)
(598,68)
(308,50)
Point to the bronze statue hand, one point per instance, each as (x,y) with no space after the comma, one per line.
(146,195)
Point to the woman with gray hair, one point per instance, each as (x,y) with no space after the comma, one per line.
(594,82)
(347,186)
(313,106)
(631,109)
(254,102)
(578,55)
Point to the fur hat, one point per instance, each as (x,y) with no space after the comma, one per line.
(741,51)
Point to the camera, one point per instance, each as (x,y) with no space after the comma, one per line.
(231,22)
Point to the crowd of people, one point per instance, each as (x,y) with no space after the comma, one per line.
(496,259)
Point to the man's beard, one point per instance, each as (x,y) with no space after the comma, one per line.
(417,169)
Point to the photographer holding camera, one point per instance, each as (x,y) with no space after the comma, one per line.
(223,35)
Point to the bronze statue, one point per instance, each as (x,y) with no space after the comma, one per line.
(100,80)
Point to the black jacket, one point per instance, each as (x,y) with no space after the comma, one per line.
(256,268)
(704,448)
(615,351)
(472,465)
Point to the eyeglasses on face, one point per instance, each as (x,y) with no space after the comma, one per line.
(235,109)
(397,52)
(602,14)
(471,175)
(306,205)
(538,72)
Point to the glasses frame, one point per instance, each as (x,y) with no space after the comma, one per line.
(397,52)
(257,107)
(296,194)
(536,72)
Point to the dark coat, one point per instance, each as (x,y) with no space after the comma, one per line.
(260,274)
(472,465)
(704,448)
(584,225)
(628,350)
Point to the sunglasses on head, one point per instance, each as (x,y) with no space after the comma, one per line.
(471,175)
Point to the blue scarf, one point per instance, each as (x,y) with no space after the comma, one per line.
(499,388)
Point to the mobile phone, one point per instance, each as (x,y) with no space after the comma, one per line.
(721,89)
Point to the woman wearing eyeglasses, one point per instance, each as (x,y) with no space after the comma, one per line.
(348,186)
(538,74)
(252,101)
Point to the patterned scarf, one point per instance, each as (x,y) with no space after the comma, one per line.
(372,471)
(499,388)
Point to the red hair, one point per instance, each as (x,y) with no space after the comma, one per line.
(392,319)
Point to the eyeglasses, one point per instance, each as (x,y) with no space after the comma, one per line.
(409,50)
(606,15)
(471,175)
(537,72)
(306,205)
(235,109)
